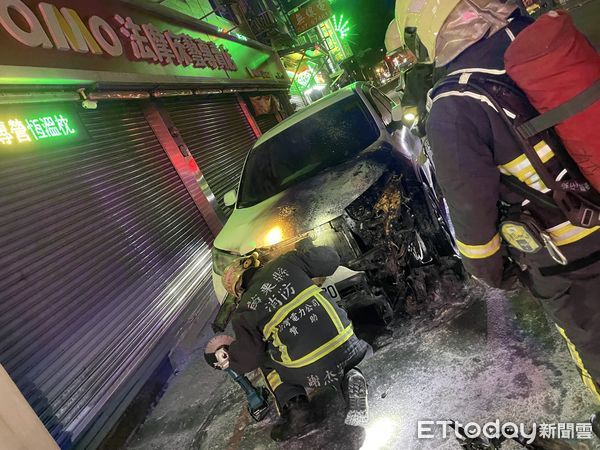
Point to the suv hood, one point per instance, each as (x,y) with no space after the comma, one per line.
(300,208)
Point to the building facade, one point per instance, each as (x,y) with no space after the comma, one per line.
(122,125)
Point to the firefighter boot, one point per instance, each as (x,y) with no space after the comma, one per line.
(354,388)
(298,420)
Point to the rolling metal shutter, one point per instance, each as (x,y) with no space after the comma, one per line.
(218,135)
(266,122)
(103,255)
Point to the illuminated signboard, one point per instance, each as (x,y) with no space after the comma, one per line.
(112,39)
(33,127)
(311,15)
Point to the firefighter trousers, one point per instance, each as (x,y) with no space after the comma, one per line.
(286,383)
(572,300)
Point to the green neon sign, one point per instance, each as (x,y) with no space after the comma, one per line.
(19,130)
(341,26)
(32,127)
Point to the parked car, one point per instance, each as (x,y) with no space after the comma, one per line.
(343,173)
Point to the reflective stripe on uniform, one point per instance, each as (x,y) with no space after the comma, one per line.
(321,351)
(473,95)
(330,312)
(562,174)
(522,168)
(564,233)
(272,389)
(274,380)
(478,70)
(283,351)
(585,375)
(283,312)
(559,177)
(480,251)
(509,113)
(270,330)
(567,233)
(510,34)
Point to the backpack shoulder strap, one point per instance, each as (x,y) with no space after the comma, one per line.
(448,81)
(579,211)
(475,85)
(562,112)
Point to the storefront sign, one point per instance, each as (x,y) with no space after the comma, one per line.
(259,74)
(288,5)
(338,48)
(32,127)
(146,43)
(118,38)
(311,15)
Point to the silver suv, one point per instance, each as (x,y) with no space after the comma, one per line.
(343,173)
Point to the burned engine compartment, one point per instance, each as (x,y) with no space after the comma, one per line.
(392,234)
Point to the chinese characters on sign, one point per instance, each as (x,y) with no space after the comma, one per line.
(27,130)
(311,15)
(149,42)
(146,43)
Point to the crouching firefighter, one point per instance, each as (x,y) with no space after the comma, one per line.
(508,191)
(295,334)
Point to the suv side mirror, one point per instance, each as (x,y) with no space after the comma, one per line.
(230,198)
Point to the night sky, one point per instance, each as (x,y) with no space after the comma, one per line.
(369,20)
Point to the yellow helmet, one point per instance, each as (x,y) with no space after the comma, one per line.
(393,40)
(447,27)
(426,16)
(232,275)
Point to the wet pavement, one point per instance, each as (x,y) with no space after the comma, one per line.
(488,357)
(492,356)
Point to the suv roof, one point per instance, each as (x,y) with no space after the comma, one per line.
(313,108)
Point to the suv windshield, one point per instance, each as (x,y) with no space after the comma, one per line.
(322,140)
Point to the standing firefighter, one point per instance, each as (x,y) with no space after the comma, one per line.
(507,220)
(298,337)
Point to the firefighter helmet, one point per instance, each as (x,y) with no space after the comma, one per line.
(232,275)
(426,17)
(393,40)
(447,27)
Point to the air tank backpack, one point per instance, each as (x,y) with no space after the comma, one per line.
(553,90)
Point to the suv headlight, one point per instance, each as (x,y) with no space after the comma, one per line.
(276,246)
(280,246)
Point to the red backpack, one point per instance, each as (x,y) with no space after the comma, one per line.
(559,72)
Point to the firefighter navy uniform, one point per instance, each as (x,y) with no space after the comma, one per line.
(472,146)
(290,329)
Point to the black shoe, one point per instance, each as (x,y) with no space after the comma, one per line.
(355,392)
(298,420)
